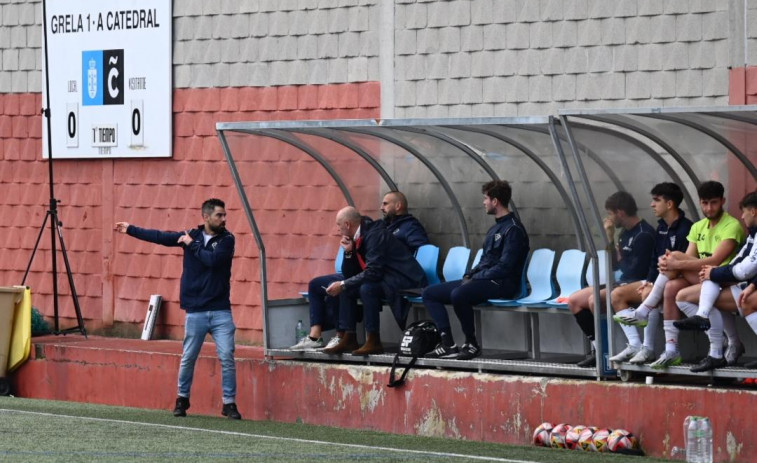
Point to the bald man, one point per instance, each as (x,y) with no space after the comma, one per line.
(376,267)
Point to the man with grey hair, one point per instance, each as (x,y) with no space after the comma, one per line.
(376,267)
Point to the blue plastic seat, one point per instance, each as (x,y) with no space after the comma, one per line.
(569,275)
(428,257)
(456,263)
(539,274)
(477,259)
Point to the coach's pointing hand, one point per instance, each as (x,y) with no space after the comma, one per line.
(185,239)
(122,226)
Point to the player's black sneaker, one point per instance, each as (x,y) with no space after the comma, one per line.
(709,363)
(589,361)
(693,323)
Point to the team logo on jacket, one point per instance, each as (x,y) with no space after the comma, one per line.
(673,241)
(396,230)
(497,236)
(215,243)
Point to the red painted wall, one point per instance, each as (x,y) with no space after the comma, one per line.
(487,407)
(115,275)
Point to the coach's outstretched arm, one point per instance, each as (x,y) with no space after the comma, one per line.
(169,238)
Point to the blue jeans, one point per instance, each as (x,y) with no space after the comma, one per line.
(324,309)
(221,326)
(462,297)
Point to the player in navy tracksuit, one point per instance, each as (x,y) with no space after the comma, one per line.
(720,289)
(498,275)
(204,296)
(632,255)
(324,309)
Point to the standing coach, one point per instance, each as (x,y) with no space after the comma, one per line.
(205,288)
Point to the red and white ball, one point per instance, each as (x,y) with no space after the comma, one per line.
(621,439)
(599,440)
(585,441)
(541,434)
(572,437)
(557,435)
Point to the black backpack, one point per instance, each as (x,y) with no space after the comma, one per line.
(418,339)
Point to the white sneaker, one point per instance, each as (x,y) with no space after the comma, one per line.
(625,354)
(308,344)
(733,352)
(332,342)
(645,355)
(667,359)
(631,317)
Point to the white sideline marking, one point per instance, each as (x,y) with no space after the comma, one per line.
(291,439)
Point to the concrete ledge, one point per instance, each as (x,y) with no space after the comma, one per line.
(463,405)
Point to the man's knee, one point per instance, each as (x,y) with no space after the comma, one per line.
(371,291)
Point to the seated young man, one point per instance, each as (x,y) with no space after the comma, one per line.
(672,228)
(498,275)
(720,289)
(631,255)
(713,240)
(324,309)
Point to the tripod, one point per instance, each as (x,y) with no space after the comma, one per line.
(56,226)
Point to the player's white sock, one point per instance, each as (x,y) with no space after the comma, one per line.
(655,296)
(671,336)
(729,327)
(650,331)
(688,308)
(715,334)
(632,334)
(707,297)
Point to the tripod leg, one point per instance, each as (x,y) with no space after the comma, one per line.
(79,318)
(36,245)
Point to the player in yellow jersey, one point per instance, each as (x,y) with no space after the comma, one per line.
(714,241)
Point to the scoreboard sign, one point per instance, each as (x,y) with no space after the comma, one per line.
(109,73)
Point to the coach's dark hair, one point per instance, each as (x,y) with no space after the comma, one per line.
(621,201)
(669,192)
(711,190)
(750,200)
(210,205)
(498,189)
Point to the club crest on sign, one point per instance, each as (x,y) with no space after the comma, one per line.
(92,79)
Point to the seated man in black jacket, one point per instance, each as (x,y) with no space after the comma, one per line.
(324,309)
(498,275)
(375,268)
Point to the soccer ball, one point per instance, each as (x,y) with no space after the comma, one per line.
(621,439)
(541,434)
(586,439)
(599,440)
(572,437)
(557,435)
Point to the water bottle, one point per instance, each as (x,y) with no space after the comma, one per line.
(693,452)
(705,440)
(299,331)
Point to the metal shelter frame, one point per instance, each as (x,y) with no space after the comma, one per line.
(651,132)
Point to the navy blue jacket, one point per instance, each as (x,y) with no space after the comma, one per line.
(408,230)
(206,276)
(387,261)
(743,267)
(504,255)
(671,238)
(636,247)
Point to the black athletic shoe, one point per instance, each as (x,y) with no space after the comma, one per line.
(443,352)
(468,351)
(182,405)
(693,323)
(590,361)
(709,363)
(231,411)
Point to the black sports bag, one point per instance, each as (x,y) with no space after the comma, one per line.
(418,339)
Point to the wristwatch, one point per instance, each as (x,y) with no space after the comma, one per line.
(341,285)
